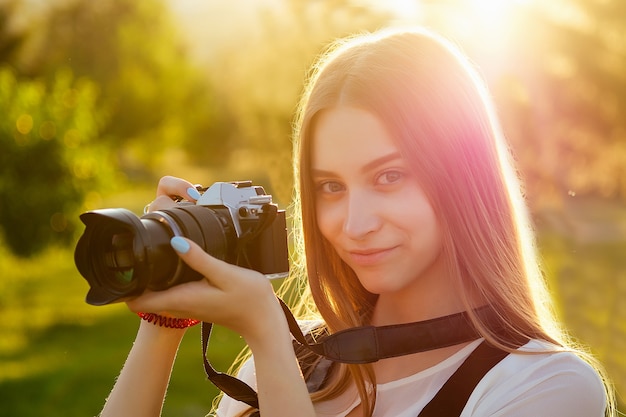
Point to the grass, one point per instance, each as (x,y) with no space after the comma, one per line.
(589,281)
(60,356)
(71,369)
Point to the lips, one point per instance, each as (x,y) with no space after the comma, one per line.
(369,257)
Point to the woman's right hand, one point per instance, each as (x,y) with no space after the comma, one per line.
(235,297)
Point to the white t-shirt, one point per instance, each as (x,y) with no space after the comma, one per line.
(539,385)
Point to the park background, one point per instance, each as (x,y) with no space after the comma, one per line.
(98,99)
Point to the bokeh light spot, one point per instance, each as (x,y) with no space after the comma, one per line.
(24,124)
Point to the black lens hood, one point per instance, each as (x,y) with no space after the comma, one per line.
(98,222)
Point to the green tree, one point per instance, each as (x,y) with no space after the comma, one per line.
(88,89)
(49,159)
(152,96)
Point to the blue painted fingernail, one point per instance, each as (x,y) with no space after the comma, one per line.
(180,245)
(193,193)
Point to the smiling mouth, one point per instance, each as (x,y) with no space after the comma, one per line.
(369,257)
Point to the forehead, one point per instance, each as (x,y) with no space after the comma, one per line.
(345,137)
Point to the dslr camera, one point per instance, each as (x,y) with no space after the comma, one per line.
(121,255)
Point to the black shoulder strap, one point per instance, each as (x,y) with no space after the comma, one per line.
(363,345)
(452,397)
(368,344)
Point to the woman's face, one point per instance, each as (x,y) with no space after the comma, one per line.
(370,206)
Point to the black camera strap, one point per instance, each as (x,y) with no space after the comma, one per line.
(231,386)
(364,344)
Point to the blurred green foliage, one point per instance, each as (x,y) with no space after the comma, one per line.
(51,157)
(131,50)
(93,94)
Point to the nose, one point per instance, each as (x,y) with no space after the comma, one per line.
(362,216)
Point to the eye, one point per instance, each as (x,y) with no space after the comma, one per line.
(330,187)
(389,177)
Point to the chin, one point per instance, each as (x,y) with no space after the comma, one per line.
(375,286)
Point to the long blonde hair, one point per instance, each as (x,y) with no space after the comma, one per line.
(432,101)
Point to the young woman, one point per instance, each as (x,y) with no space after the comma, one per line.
(410,210)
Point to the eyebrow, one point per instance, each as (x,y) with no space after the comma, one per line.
(367,167)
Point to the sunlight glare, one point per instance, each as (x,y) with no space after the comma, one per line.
(406,9)
(492,17)
(491,10)
(488,25)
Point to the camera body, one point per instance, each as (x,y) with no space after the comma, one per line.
(121,255)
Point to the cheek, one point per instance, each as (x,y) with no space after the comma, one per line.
(327,221)
(431,231)
(425,222)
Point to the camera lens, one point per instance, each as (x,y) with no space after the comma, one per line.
(121,255)
(119,259)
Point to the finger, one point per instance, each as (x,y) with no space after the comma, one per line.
(177,187)
(177,301)
(219,273)
(161,202)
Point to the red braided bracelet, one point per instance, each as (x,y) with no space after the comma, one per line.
(170,322)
